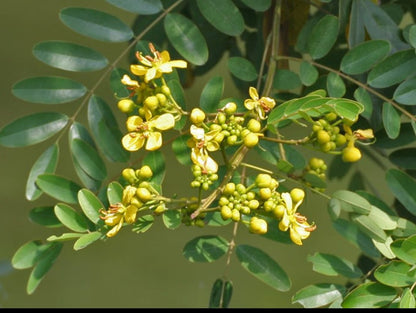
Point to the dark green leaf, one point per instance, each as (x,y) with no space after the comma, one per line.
(318,295)
(405,137)
(404,158)
(86,240)
(369,226)
(369,295)
(120,90)
(211,94)
(332,265)
(221,293)
(46,163)
(286,80)
(156,162)
(142,7)
(405,93)
(90,205)
(172,219)
(323,36)
(314,180)
(96,24)
(143,223)
(186,38)
(391,120)
(44,264)
(263,267)
(181,150)
(32,129)
(88,159)
(352,202)
(363,97)
(403,187)
(205,248)
(69,56)
(58,187)
(104,128)
(364,56)
(308,73)
(79,131)
(257,5)
(48,90)
(393,69)
(395,274)
(335,85)
(71,218)
(223,15)
(44,216)
(242,68)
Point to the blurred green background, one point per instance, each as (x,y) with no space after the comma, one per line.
(130,270)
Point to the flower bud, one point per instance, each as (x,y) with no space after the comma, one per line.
(126,105)
(197,116)
(258,226)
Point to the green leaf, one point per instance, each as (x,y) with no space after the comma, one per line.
(407,300)
(143,223)
(221,293)
(215,219)
(405,93)
(394,69)
(96,24)
(395,274)
(206,248)
(391,120)
(172,219)
(48,90)
(363,97)
(32,129)
(405,137)
(44,264)
(71,218)
(323,36)
(186,38)
(403,187)
(335,85)
(27,255)
(58,187)
(119,89)
(90,205)
(45,216)
(409,246)
(114,192)
(211,94)
(242,68)
(314,180)
(64,237)
(308,73)
(181,150)
(369,295)
(79,131)
(258,5)
(46,163)
(286,80)
(382,219)
(352,202)
(69,56)
(353,234)
(104,128)
(263,267)
(368,226)
(405,228)
(142,7)
(364,56)
(347,109)
(332,265)
(88,159)
(318,295)
(384,247)
(86,240)
(404,253)
(223,15)
(156,162)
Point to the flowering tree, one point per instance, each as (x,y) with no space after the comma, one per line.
(340,73)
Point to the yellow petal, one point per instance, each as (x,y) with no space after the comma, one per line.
(269,102)
(164,56)
(133,122)
(115,229)
(154,141)
(211,165)
(128,193)
(288,200)
(295,237)
(253,93)
(250,104)
(178,63)
(163,122)
(301,231)
(197,132)
(130,214)
(126,80)
(133,143)
(364,133)
(138,70)
(213,146)
(150,74)
(165,68)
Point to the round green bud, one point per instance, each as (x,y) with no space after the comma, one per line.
(253,204)
(159,209)
(279,210)
(199,223)
(232,140)
(316,163)
(323,137)
(254,125)
(230,108)
(226,212)
(251,140)
(258,226)
(126,105)
(151,102)
(129,175)
(221,118)
(340,140)
(144,194)
(162,98)
(263,180)
(297,194)
(240,188)
(351,154)
(229,189)
(165,90)
(197,116)
(145,172)
(235,215)
(331,116)
(265,193)
(269,205)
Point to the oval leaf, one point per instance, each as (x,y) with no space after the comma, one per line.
(96,24)
(405,93)
(86,240)
(90,205)
(335,85)
(172,219)
(32,129)
(48,90)
(223,15)
(369,295)
(395,274)
(46,163)
(44,216)
(58,187)
(318,295)
(258,5)
(352,202)
(308,73)
(323,36)
(69,56)
(364,56)
(286,80)
(70,218)
(144,7)
(114,192)
(263,267)
(211,94)
(27,255)
(333,265)
(205,249)
(403,187)
(186,38)
(391,120)
(242,68)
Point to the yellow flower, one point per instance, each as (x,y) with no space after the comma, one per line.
(116,215)
(262,106)
(201,143)
(141,132)
(296,223)
(154,67)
